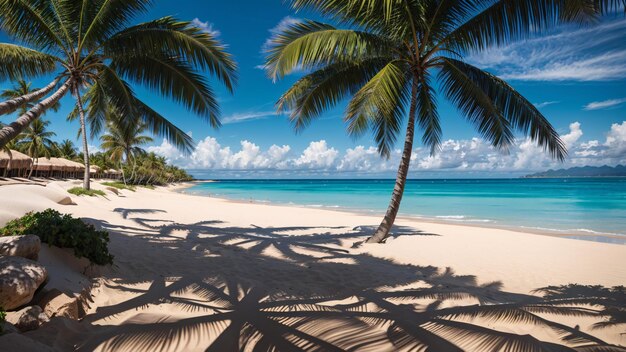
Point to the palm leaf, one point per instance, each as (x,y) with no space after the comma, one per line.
(311,44)
(174,78)
(18,61)
(520,113)
(177,39)
(33,22)
(380,105)
(323,89)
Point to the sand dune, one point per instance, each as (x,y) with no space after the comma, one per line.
(195,273)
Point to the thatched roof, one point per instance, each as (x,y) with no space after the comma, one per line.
(43,164)
(19,160)
(113,172)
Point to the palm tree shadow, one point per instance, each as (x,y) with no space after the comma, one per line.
(267,289)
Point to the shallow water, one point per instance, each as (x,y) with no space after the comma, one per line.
(574,205)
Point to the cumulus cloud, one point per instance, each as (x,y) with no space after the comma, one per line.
(317,156)
(593,53)
(206,27)
(459,156)
(597,105)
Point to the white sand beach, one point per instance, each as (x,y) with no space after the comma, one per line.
(196,273)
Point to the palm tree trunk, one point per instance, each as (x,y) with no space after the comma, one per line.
(6,171)
(7,107)
(8,132)
(33,167)
(403,170)
(83,132)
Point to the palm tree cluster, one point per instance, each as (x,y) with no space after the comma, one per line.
(91,51)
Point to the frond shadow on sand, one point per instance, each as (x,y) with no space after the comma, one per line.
(302,288)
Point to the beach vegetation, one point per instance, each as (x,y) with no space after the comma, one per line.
(394,60)
(80,191)
(120,185)
(123,141)
(93,53)
(36,141)
(63,231)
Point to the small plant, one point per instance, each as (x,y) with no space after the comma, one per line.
(79,191)
(3,316)
(64,231)
(119,185)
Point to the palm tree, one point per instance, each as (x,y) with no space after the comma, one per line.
(124,139)
(394,55)
(88,47)
(67,150)
(23,88)
(7,149)
(36,141)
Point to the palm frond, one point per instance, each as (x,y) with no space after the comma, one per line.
(99,19)
(311,44)
(464,82)
(509,20)
(427,115)
(380,104)
(163,127)
(469,97)
(176,39)
(17,61)
(32,22)
(323,89)
(174,78)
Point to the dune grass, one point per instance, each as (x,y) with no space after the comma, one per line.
(119,185)
(79,191)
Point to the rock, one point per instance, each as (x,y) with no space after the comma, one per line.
(19,343)
(57,304)
(20,246)
(29,318)
(66,201)
(19,279)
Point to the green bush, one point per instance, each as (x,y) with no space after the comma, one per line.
(79,191)
(119,185)
(64,231)
(3,316)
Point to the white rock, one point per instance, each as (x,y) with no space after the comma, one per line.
(19,279)
(20,246)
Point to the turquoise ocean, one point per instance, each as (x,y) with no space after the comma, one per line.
(581,207)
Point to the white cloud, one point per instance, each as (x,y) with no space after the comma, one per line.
(317,156)
(458,156)
(546,103)
(597,105)
(592,53)
(206,27)
(245,116)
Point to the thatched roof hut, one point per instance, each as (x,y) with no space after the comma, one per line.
(43,164)
(18,160)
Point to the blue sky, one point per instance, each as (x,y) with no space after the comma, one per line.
(576,76)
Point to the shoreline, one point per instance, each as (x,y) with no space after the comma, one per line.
(592,236)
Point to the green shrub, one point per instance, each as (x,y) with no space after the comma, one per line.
(79,191)
(64,231)
(119,185)
(3,316)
